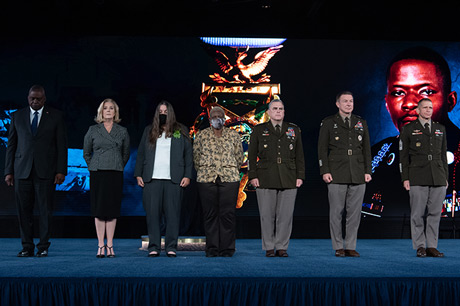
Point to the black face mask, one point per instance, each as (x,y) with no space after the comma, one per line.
(163,119)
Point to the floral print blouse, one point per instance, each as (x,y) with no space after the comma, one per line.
(217,156)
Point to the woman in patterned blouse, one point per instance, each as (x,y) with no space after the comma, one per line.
(218,155)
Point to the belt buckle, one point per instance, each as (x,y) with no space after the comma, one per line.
(278,160)
(430,157)
(350,152)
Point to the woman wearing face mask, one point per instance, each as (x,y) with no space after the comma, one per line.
(163,169)
(218,155)
(106,152)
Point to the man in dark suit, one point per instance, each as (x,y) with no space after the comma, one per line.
(344,153)
(276,169)
(424,172)
(36,160)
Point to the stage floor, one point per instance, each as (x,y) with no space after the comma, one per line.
(307,259)
(387,273)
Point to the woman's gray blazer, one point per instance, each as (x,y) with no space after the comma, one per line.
(106,151)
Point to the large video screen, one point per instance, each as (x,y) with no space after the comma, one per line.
(78,73)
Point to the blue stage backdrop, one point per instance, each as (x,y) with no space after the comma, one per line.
(138,72)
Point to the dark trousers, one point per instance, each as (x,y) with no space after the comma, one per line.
(28,192)
(162,197)
(219,201)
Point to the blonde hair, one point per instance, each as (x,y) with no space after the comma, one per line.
(99,118)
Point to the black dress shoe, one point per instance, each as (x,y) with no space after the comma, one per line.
(26,253)
(281,253)
(42,253)
(212,254)
(227,253)
(340,253)
(171,254)
(421,252)
(270,253)
(351,253)
(432,252)
(154,254)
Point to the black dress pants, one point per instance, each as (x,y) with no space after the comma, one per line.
(28,192)
(162,198)
(219,201)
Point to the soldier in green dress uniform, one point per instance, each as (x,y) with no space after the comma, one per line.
(276,169)
(345,164)
(424,172)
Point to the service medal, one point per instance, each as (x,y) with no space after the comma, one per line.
(418,144)
(290,133)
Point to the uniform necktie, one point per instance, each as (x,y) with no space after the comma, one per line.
(277,129)
(347,122)
(34,124)
(427,127)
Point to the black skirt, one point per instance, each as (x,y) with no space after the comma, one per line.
(106,193)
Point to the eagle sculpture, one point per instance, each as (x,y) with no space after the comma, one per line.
(237,71)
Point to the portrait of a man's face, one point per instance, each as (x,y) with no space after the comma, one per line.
(409,81)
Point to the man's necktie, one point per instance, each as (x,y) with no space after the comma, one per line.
(277,129)
(347,122)
(34,124)
(427,127)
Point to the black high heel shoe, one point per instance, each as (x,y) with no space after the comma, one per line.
(101,252)
(111,255)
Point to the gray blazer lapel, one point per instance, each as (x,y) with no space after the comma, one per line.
(175,143)
(115,132)
(112,136)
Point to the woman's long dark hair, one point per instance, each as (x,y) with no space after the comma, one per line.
(169,127)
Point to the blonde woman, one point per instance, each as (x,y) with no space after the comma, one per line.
(106,152)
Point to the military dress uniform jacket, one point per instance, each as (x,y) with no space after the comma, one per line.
(343,151)
(276,160)
(423,154)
